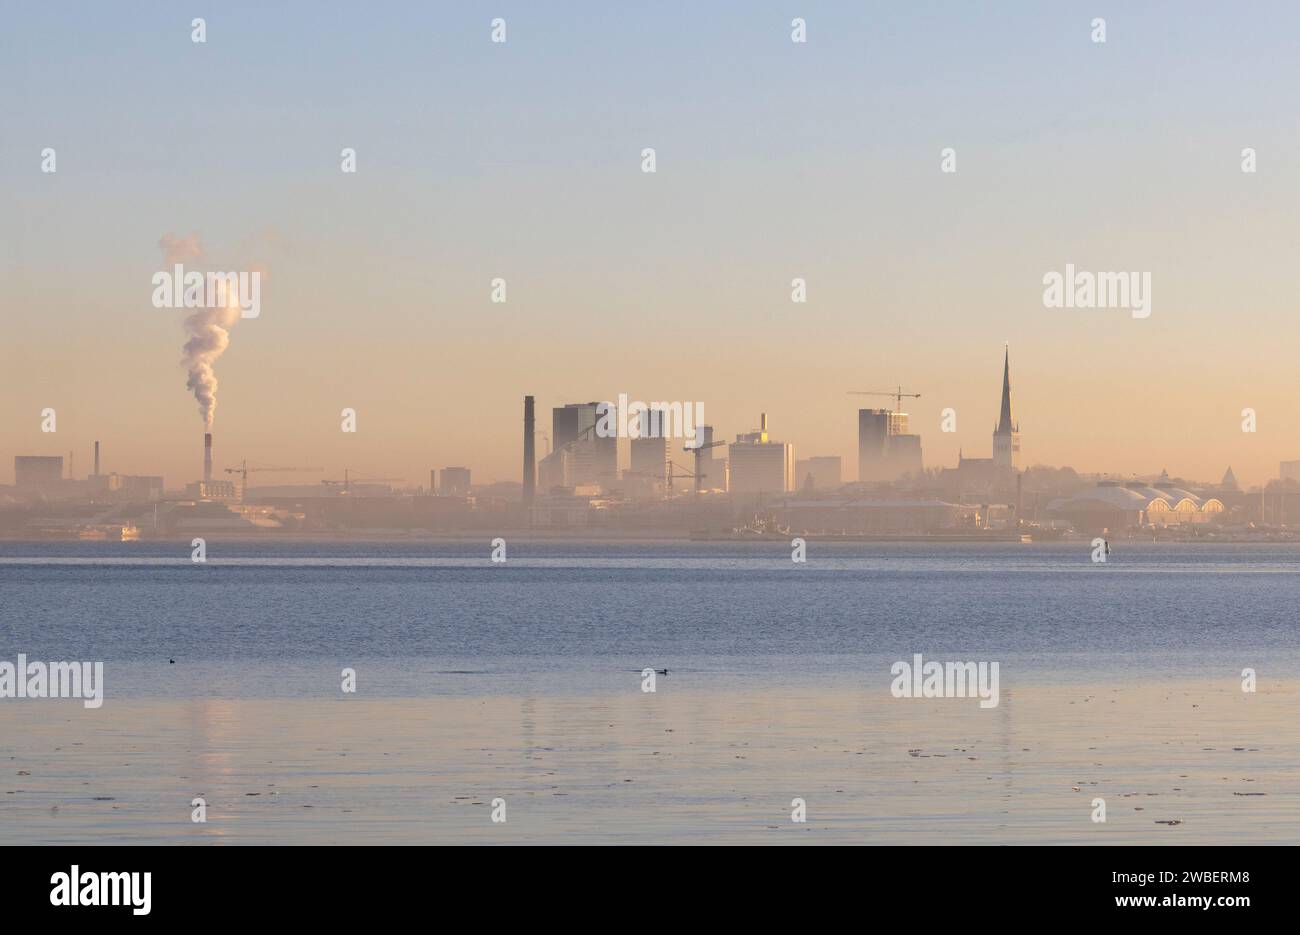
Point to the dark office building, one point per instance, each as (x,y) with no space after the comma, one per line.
(564,425)
(873,435)
(595,459)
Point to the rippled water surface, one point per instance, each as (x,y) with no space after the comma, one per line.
(265,619)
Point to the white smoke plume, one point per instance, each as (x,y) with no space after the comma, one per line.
(209,331)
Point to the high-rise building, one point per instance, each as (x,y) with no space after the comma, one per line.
(1006,437)
(712,470)
(649,450)
(758,465)
(453,482)
(1289,470)
(595,457)
(873,430)
(905,456)
(605,460)
(886,452)
(703,437)
(565,424)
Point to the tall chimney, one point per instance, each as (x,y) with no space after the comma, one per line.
(207,457)
(96,459)
(530,454)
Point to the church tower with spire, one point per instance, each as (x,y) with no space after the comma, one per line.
(1006,437)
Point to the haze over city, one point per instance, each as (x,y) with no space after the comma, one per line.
(478,161)
(704,422)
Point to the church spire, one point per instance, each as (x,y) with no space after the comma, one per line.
(1005,427)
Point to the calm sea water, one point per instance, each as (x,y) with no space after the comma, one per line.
(267,619)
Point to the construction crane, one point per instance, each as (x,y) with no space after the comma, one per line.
(698,451)
(348,479)
(669,474)
(898,395)
(244,470)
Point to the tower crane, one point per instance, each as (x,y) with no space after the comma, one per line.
(698,452)
(898,395)
(348,479)
(244,470)
(670,473)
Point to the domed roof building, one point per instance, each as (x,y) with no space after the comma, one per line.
(1114,506)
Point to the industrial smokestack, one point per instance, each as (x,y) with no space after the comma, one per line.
(207,457)
(96,459)
(530,455)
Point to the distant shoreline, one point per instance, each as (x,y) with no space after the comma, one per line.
(524,534)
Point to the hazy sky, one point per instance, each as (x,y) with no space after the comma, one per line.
(775,160)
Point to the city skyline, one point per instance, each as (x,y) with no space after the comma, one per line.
(731,423)
(377,293)
(572,422)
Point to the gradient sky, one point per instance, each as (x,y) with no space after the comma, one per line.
(775,160)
